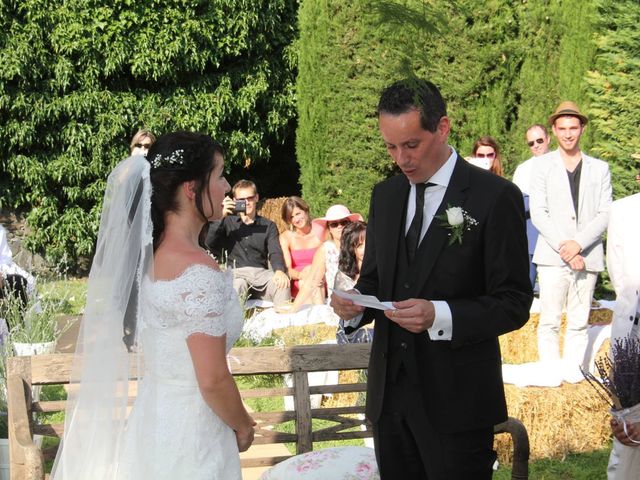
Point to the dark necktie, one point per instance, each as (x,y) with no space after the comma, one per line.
(413,234)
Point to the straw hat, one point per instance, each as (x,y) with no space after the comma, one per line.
(337,212)
(570,109)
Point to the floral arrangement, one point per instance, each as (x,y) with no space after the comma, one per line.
(619,379)
(457,220)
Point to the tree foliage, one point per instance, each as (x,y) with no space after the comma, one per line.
(501,66)
(615,100)
(78,78)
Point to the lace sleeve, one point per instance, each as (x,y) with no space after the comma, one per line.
(205,300)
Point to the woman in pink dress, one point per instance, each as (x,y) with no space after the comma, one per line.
(299,243)
(325,261)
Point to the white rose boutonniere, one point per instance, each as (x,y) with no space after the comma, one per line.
(457,221)
(455,216)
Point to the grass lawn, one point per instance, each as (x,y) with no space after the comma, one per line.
(71,293)
(578,466)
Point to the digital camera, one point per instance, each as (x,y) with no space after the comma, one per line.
(240,206)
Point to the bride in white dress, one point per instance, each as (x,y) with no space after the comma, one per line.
(188,420)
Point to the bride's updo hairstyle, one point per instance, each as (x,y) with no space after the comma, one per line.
(176,158)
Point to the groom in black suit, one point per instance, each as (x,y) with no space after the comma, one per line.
(435,384)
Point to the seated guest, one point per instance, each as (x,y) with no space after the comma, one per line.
(299,243)
(249,244)
(349,263)
(13,280)
(325,261)
(141,142)
(487,148)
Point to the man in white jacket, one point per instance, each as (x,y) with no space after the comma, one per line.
(623,264)
(570,201)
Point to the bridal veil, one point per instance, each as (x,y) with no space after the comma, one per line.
(99,390)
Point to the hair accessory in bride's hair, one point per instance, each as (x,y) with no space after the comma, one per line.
(176,158)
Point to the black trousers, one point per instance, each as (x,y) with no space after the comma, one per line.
(409,448)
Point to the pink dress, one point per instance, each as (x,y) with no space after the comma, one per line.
(300,259)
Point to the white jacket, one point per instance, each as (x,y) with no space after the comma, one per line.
(554,216)
(623,264)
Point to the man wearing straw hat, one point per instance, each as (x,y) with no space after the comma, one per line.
(570,200)
(623,264)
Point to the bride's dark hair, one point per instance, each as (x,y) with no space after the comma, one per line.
(177,158)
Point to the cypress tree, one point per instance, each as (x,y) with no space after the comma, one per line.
(341,72)
(613,91)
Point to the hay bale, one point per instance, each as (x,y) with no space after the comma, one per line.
(305,334)
(569,418)
(271,208)
(521,346)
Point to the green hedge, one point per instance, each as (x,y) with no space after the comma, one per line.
(501,65)
(78,78)
(614,93)
(341,71)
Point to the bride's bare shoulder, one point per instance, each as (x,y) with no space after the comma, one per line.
(170,264)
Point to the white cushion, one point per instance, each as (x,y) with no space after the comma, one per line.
(337,463)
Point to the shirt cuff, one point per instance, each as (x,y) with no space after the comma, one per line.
(442,328)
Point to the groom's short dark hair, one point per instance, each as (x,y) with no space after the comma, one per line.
(414,94)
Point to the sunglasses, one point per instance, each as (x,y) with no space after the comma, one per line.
(486,155)
(146,146)
(537,140)
(339,223)
(247,199)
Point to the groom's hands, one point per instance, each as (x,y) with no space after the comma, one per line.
(415,314)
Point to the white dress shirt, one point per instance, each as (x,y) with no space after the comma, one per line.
(442,328)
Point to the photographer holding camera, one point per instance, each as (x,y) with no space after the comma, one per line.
(248,243)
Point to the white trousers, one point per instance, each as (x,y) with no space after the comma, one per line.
(560,286)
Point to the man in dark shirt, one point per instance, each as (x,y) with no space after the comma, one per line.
(249,243)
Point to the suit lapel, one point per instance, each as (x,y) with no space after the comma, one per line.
(437,236)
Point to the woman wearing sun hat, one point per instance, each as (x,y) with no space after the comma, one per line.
(325,261)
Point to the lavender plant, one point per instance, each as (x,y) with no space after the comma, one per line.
(619,379)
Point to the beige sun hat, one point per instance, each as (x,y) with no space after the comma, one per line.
(568,108)
(337,212)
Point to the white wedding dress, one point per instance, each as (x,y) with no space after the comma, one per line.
(171,432)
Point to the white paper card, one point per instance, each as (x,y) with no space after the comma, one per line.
(365,300)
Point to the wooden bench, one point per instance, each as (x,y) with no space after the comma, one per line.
(27,460)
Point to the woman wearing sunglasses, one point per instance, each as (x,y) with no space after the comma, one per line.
(487,148)
(325,261)
(141,142)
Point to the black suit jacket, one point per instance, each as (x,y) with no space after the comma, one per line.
(485,282)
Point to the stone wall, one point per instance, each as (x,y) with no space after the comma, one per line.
(17,230)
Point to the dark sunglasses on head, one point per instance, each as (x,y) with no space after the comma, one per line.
(339,223)
(486,155)
(537,140)
(146,146)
